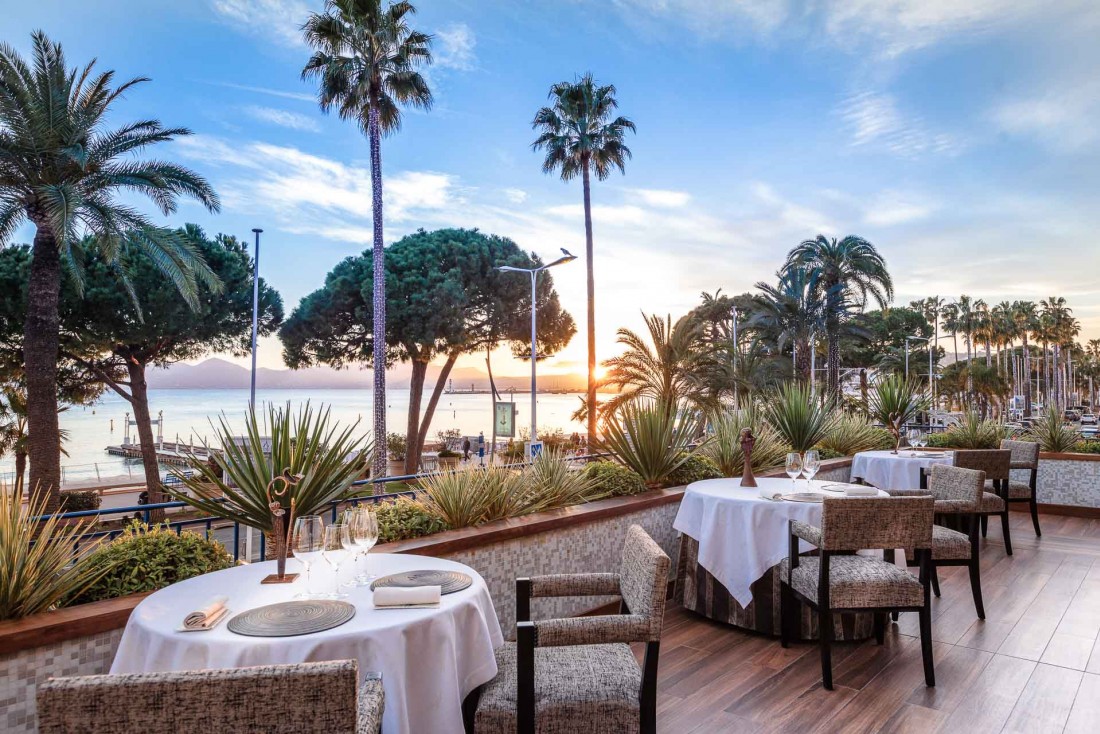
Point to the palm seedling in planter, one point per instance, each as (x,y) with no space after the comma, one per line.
(651,438)
(895,401)
(322,457)
(799,418)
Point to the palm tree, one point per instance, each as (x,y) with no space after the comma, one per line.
(849,270)
(365,60)
(952,325)
(62,169)
(660,366)
(13,431)
(1026,318)
(932,307)
(580,136)
(789,314)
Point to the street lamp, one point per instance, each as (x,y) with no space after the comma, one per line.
(255,314)
(534,274)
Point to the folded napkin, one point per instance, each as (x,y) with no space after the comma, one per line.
(406,597)
(771,494)
(207,617)
(860,492)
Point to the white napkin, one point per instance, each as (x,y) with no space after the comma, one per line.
(207,617)
(860,492)
(406,597)
(771,494)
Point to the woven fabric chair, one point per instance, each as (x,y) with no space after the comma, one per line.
(1025,456)
(274,699)
(579,674)
(836,582)
(997,465)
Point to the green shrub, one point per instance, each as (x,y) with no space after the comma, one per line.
(895,401)
(405,518)
(617,480)
(830,454)
(147,558)
(849,434)
(695,468)
(649,437)
(396,446)
(972,433)
(1052,434)
(80,501)
(1087,447)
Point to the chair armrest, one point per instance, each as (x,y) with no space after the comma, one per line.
(954,507)
(1021,465)
(575,584)
(808,533)
(908,492)
(372,702)
(599,630)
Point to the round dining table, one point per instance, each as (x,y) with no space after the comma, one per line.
(887,470)
(430,659)
(733,539)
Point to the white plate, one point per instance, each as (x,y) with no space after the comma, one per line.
(804,497)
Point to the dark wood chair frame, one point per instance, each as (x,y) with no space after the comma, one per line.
(1000,488)
(789,616)
(1032,501)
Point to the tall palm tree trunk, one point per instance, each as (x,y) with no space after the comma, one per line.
(40,352)
(374,132)
(139,393)
(591,305)
(1027,377)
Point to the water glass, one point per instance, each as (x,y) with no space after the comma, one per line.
(913,436)
(811,462)
(307,544)
(335,551)
(362,525)
(794,467)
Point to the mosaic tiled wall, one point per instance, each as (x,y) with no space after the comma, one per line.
(20,674)
(593,547)
(1062,482)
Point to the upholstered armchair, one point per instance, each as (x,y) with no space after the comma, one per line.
(996,464)
(579,674)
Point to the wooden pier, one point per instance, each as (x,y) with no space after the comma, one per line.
(168,452)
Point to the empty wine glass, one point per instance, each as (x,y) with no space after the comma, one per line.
(922,440)
(913,435)
(811,462)
(335,551)
(794,467)
(363,531)
(307,545)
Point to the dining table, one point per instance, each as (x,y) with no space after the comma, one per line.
(430,658)
(896,470)
(733,539)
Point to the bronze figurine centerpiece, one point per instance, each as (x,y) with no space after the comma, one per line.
(747,442)
(278,490)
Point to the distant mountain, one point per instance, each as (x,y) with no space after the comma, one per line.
(217,373)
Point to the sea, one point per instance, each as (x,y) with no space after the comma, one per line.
(190,414)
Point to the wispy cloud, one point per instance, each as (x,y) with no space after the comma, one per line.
(283,118)
(301,96)
(874,120)
(453,48)
(713,18)
(662,198)
(515,196)
(1061,116)
(280,20)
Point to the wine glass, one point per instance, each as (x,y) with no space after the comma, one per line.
(913,435)
(922,440)
(811,462)
(794,467)
(363,531)
(335,551)
(307,545)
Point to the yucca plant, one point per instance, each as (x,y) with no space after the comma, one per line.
(1052,434)
(463,499)
(650,438)
(549,483)
(972,432)
(851,433)
(326,457)
(895,401)
(724,447)
(796,414)
(37,568)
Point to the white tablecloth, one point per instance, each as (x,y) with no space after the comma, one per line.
(741,535)
(430,659)
(887,470)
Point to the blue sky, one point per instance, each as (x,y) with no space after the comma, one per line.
(959,137)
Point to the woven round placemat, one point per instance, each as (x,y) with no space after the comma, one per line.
(448,581)
(292,618)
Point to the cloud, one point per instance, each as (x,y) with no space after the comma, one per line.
(283,118)
(281,20)
(453,48)
(1061,116)
(270,92)
(713,18)
(662,198)
(515,196)
(874,120)
(891,208)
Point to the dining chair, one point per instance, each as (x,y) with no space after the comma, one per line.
(274,699)
(1025,456)
(958,495)
(837,581)
(997,465)
(579,674)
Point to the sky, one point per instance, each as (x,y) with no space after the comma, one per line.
(960,137)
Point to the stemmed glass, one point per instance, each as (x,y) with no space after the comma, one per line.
(922,439)
(336,552)
(914,438)
(811,462)
(794,467)
(308,544)
(363,531)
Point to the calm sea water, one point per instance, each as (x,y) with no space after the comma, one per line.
(188,415)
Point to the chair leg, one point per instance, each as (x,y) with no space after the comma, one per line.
(1005,531)
(985,525)
(935,581)
(976,588)
(785,604)
(926,646)
(825,636)
(880,627)
(894,616)
(1035,516)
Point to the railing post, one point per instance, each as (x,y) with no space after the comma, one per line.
(236,541)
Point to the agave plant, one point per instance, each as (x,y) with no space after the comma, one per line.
(851,433)
(651,438)
(724,447)
(895,401)
(549,483)
(797,416)
(37,570)
(323,457)
(972,432)
(1051,432)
